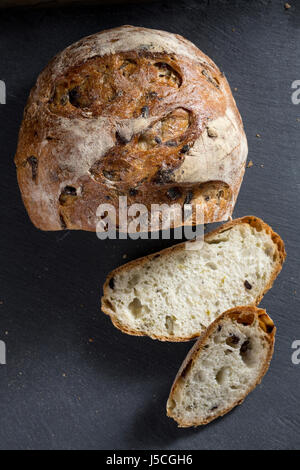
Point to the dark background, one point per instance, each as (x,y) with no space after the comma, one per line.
(72,381)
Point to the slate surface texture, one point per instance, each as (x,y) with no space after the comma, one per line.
(72,381)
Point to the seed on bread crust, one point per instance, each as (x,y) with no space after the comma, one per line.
(174,193)
(185,149)
(133,192)
(33,161)
(145,111)
(171,143)
(188,197)
(164,175)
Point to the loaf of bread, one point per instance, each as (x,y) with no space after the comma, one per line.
(129,112)
(175,294)
(225,364)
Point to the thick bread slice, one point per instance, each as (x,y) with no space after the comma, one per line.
(225,364)
(175,294)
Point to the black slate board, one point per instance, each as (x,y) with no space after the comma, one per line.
(58,390)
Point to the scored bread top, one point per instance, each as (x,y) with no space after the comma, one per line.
(175,294)
(225,364)
(129,112)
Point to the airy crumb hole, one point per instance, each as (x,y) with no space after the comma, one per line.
(171,404)
(199,376)
(135,307)
(167,74)
(170,321)
(212,266)
(133,281)
(109,305)
(222,375)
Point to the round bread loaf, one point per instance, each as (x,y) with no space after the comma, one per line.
(129,112)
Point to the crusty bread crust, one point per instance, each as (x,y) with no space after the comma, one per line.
(238,313)
(251,220)
(129,112)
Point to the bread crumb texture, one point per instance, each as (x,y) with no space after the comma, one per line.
(223,367)
(177,294)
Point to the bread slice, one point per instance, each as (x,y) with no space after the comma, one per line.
(225,364)
(175,294)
